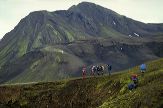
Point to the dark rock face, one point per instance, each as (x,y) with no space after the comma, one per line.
(114,20)
(84,34)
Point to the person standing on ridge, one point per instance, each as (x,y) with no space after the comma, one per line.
(93,69)
(102,69)
(143,68)
(84,72)
(109,69)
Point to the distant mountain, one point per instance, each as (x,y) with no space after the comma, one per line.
(54,45)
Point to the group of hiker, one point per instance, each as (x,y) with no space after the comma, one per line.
(96,70)
(134,77)
(99,70)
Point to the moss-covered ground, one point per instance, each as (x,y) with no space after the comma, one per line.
(102,92)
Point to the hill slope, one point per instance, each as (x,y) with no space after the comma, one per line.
(60,62)
(102,92)
(63,41)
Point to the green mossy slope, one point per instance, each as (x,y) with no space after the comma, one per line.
(102,92)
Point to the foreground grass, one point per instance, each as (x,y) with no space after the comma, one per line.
(102,92)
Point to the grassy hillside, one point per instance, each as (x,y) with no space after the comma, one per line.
(102,92)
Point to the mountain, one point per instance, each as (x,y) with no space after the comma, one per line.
(92,92)
(48,46)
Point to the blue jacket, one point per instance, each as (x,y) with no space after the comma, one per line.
(143,67)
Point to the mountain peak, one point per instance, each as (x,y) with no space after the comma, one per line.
(88,7)
(84,5)
(81,5)
(87,3)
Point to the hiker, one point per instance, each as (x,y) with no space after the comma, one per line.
(143,69)
(109,69)
(134,78)
(102,69)
(98,70)
(93,69)
(131,86)
(84,72)
(134,84)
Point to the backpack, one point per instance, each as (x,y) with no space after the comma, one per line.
(131,86)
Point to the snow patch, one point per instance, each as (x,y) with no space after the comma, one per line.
(114,23)
(59,50)
(136,34)
(62,51)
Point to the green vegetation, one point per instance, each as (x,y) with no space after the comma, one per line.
(102,92)
(37,42)
(49,64)
(23,44)
(110,32)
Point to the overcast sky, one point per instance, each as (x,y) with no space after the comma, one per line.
(12,11)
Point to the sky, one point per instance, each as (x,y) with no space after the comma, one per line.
(12,11)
